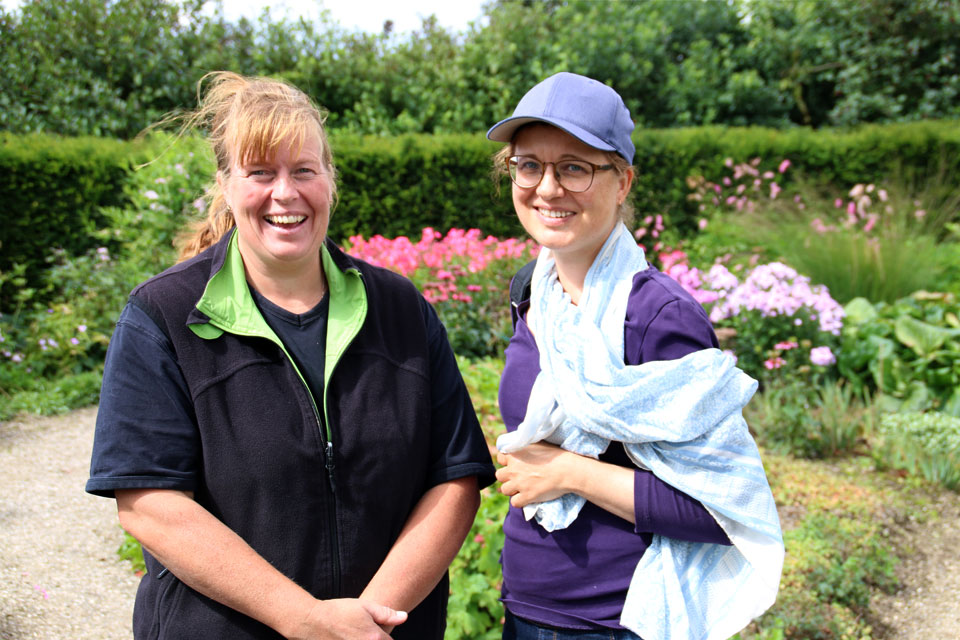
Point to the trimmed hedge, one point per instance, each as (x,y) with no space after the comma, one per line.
(871,153)
(398,186)
(52,188)
(51,192)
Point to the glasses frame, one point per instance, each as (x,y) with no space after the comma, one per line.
(512,162)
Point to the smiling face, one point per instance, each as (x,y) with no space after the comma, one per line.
(572,225)
(281,206)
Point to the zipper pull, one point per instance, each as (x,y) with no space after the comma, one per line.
(330,467)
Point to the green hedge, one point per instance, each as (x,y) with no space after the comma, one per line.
(52,188)
(871,153)
(51,193)
(398,186)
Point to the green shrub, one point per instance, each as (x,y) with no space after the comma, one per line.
(924,444)
(474,611)
(820,421)
(840,157)
(64,325)
(45,397)
(131,551)
(908,351)
(833,564)
(51,194)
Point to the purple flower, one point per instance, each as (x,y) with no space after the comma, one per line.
(150,194)
(82,328)
(74,341)
(822,356)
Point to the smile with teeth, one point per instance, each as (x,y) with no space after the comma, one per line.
(285,219)
(553,213)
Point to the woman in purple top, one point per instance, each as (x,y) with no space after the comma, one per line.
(569,156)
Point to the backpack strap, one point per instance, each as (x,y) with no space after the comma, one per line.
(520,289)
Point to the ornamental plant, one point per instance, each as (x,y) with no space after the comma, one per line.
(926,444)
(778,322)
(908,351)
(463,274)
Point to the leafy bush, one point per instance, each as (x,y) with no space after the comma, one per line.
(832,565)
(925,444)
(474,611)
(110,67)
(40,396)
(774,321)
(49,340)
(908,351)
(819,421)
(51,194)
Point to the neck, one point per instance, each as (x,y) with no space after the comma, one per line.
(571,275)
(297,289)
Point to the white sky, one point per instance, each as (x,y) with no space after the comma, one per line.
(365,15)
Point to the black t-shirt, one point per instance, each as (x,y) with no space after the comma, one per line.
(303,334)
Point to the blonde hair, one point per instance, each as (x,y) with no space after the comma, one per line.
(247,119)
(625,210)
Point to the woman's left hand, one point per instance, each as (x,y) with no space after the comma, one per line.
(537,473)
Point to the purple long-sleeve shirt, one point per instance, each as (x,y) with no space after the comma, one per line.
(577,578)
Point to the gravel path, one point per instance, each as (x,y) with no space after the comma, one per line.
(60,578)
(928,605)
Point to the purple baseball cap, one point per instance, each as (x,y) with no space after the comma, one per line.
(589,110)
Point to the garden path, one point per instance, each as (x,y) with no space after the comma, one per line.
(60,577)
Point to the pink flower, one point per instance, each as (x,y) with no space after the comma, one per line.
(774,190)
(774,363)
(702,224)
(786,346)
(783,166)
(822,356)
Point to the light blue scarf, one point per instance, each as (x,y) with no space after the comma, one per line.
(682,420)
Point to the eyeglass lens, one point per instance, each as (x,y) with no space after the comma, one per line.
(573,175)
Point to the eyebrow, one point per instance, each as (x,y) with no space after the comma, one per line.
(566,156)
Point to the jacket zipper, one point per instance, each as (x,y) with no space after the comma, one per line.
(329,463)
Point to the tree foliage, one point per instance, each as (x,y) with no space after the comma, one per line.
(112,67)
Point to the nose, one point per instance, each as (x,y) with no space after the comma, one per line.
(284,188)
(549,186)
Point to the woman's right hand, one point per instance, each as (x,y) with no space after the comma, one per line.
(348,618)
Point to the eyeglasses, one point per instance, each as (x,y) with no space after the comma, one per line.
(575,176)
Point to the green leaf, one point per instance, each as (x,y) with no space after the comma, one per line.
(923,338)
(858,311)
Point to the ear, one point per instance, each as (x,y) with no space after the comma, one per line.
(626,180)
(222,185)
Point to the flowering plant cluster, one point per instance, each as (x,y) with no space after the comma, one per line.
(739,190)
(779,322)
(463,274)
